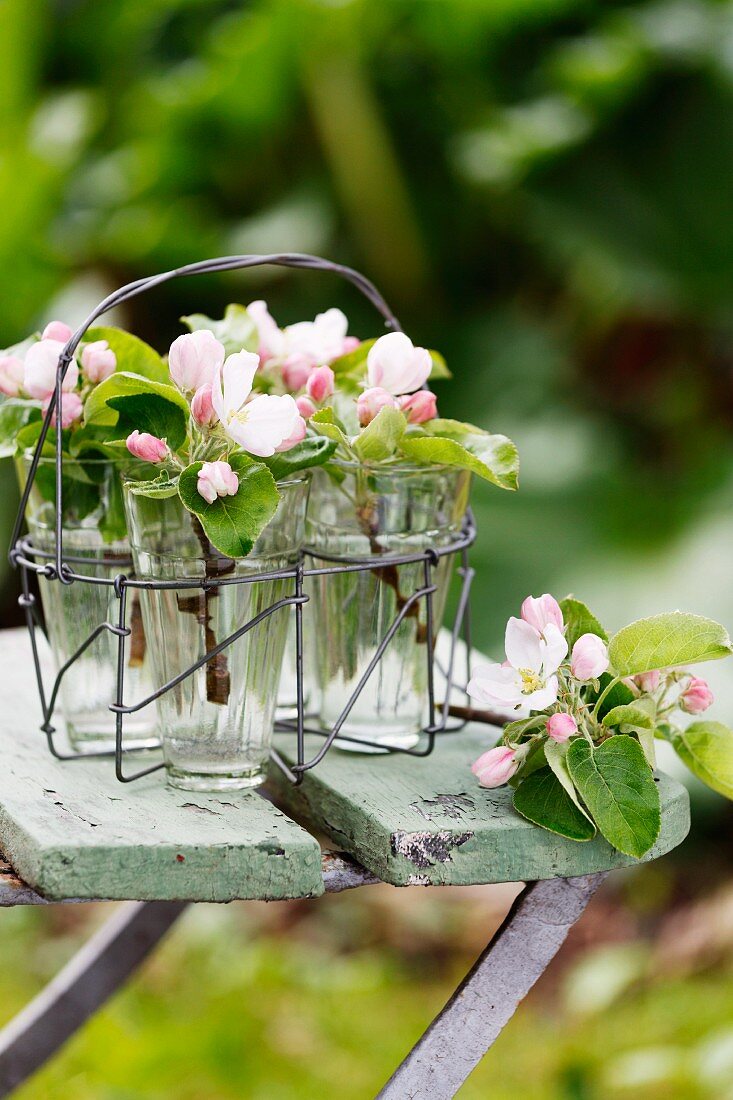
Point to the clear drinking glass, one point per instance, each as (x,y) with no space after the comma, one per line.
(367,512)
(287,692)
(92,509)
(216,724)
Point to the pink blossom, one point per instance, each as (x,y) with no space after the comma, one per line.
(41,361)
(589,658)
(561,726)
(297,436)
(495,767)
(320,384)
(12,373)
(396,365)
(57,330)
(194,359)
(540,611)
(419,407)
(146,446)
(528,677)
(217,479)
(271,339)
(648,681)
(296,372)
(71,409)
(202,407)
(306,408)
(98,361)
(371,401)
(258,424)
(697,696)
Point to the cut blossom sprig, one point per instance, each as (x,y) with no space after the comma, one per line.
(580,751)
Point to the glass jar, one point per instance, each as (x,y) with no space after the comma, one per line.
(93,535)
(362,512)
(216,724)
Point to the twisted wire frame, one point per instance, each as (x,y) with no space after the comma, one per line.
(65,569)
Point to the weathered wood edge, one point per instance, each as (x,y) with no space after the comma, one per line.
(339,872)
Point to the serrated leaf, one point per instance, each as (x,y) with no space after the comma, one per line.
(159,488)
(492,457)
(619,695)
(354,362)
(124,384)
(379,440)
(616,784)
(641,713)
(542,799)
(556,754)
(236,330)
(15,414)
(313,451)
(707,750)
(151,413)
(665,641)
(233,524)
(514,730)
(579,620)
(133,355)
(326,423)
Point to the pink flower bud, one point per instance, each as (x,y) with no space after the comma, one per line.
(296,372)
(589,658)
(146,446)
(540,611)
(297,436)
(202,408)
(370,402)
(351,343)
(648,681)
(41,361)
(396,365)
(98,361)
(320,384)
(561,726)
(419,407)
(194,359)
(12,373)
(495,767)
(697,696)
(306,408)
(71,409)
(57,330)
(216,479)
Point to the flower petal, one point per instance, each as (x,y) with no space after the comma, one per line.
(522,644)
(545,697)
(554,648)
(268,421)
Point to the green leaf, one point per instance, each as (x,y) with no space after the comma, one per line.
(646,740)
(313,451)
(448,442)
(543,800)
(133,355)
(619,695)
(514,730)
(556,755)
(151,413)
(354,362)
(579,620)
(665,641)
(15,414)
(616,784)
(326,423)
(121,384)
(439,369)
(112,524)
(236,330)
(707,750)
(233,524)
(641,713)
(379,440)
(158,488)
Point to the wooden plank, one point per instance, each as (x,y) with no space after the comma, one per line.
(425,821)
(70,830)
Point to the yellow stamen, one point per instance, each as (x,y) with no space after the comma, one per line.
(531,682)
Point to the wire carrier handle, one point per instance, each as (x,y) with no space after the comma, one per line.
(131,290)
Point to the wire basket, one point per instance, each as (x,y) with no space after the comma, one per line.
(66,569)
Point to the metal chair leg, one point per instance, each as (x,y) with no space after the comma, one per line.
(98,969)
(532,933)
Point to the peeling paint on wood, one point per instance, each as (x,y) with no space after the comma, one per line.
(70,830)
(408,818)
